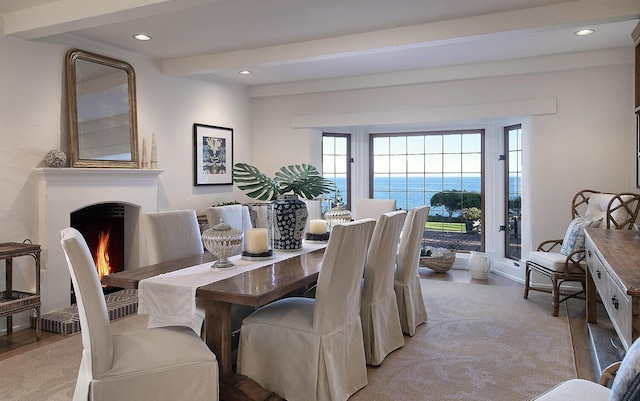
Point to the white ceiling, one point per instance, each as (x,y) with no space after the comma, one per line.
(284,41)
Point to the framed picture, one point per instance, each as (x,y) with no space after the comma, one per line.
(212,155)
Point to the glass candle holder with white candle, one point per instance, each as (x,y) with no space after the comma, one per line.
(258,239)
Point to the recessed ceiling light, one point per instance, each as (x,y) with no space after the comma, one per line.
(141,36)
(584,32)
(244,72)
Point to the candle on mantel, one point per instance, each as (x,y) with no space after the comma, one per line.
(318,226)
(144,153)
(154,151)
(257,240)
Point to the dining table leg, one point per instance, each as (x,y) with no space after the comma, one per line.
(217,322)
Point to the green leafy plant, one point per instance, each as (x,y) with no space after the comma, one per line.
(300,179)
(471,213)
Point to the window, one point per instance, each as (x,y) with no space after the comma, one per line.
(336,160)
(513,177)
(442,169)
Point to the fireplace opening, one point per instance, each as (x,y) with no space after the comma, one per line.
(103,227)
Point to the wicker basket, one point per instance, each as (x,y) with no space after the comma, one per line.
(441,262)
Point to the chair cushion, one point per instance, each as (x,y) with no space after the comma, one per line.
(626,385)
(598,205)
(574,237)
(576,389)
(551,260)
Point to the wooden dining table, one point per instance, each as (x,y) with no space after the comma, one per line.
(256,287)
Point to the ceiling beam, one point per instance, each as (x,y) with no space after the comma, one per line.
(573,13)
(64,16)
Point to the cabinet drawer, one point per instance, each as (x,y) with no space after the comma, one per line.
(614,298)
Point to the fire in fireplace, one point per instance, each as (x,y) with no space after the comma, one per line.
(102,226)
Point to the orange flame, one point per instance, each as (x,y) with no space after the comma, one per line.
(101,258)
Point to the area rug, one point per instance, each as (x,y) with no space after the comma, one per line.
(480,343)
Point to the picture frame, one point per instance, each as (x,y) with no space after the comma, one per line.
(212,155)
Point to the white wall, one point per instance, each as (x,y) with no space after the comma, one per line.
(585,141)
(33,121)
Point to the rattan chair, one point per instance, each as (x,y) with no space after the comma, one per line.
(563,262)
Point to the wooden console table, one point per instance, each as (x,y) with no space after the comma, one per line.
(613,259)
(12,301)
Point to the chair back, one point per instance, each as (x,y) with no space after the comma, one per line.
(97,345)
(410,244)
(618,211)
(381,257)
(339,285)
(172,235)
(373,208)
(237,216)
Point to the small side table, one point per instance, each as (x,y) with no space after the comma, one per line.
(12,301)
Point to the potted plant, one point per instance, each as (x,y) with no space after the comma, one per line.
(471,217)
(289,183)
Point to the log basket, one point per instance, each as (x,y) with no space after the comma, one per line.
(440,261)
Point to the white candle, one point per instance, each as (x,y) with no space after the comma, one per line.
(257,240)
(318,226)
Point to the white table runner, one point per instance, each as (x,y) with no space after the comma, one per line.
(170,299)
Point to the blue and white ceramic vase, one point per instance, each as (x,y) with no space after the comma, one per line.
(291,217)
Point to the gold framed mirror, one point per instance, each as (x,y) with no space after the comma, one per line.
(101,107)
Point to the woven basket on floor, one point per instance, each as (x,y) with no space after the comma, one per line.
(440,263)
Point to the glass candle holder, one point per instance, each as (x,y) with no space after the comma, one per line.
(258,239)
(337,214)
(222,241)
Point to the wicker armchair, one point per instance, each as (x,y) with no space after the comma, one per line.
(562,262)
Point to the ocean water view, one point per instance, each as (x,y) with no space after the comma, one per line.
(413,191)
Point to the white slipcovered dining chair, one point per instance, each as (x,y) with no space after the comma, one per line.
(307,349)
(407,281)
(373,208)
(379,309)
(237,216)
(169,363)
(171,235)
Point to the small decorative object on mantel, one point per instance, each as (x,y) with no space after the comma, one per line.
(439,260)
(55,158)
(154,152)
(145,162)
(222,240)
(284,190)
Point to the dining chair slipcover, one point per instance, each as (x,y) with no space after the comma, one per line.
(307,349)
(172,235)
(169,363)
(373,208)
(379,309)
(407,282)
(237,216)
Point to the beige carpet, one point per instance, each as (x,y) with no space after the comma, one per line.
(480,343)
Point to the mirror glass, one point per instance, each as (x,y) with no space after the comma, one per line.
(101,101)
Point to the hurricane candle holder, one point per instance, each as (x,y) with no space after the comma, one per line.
(258,240)
(338,214)
(222,241)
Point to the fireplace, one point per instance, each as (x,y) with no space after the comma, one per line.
(102,226)
(63,192)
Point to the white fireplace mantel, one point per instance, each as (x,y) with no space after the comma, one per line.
(62,191)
